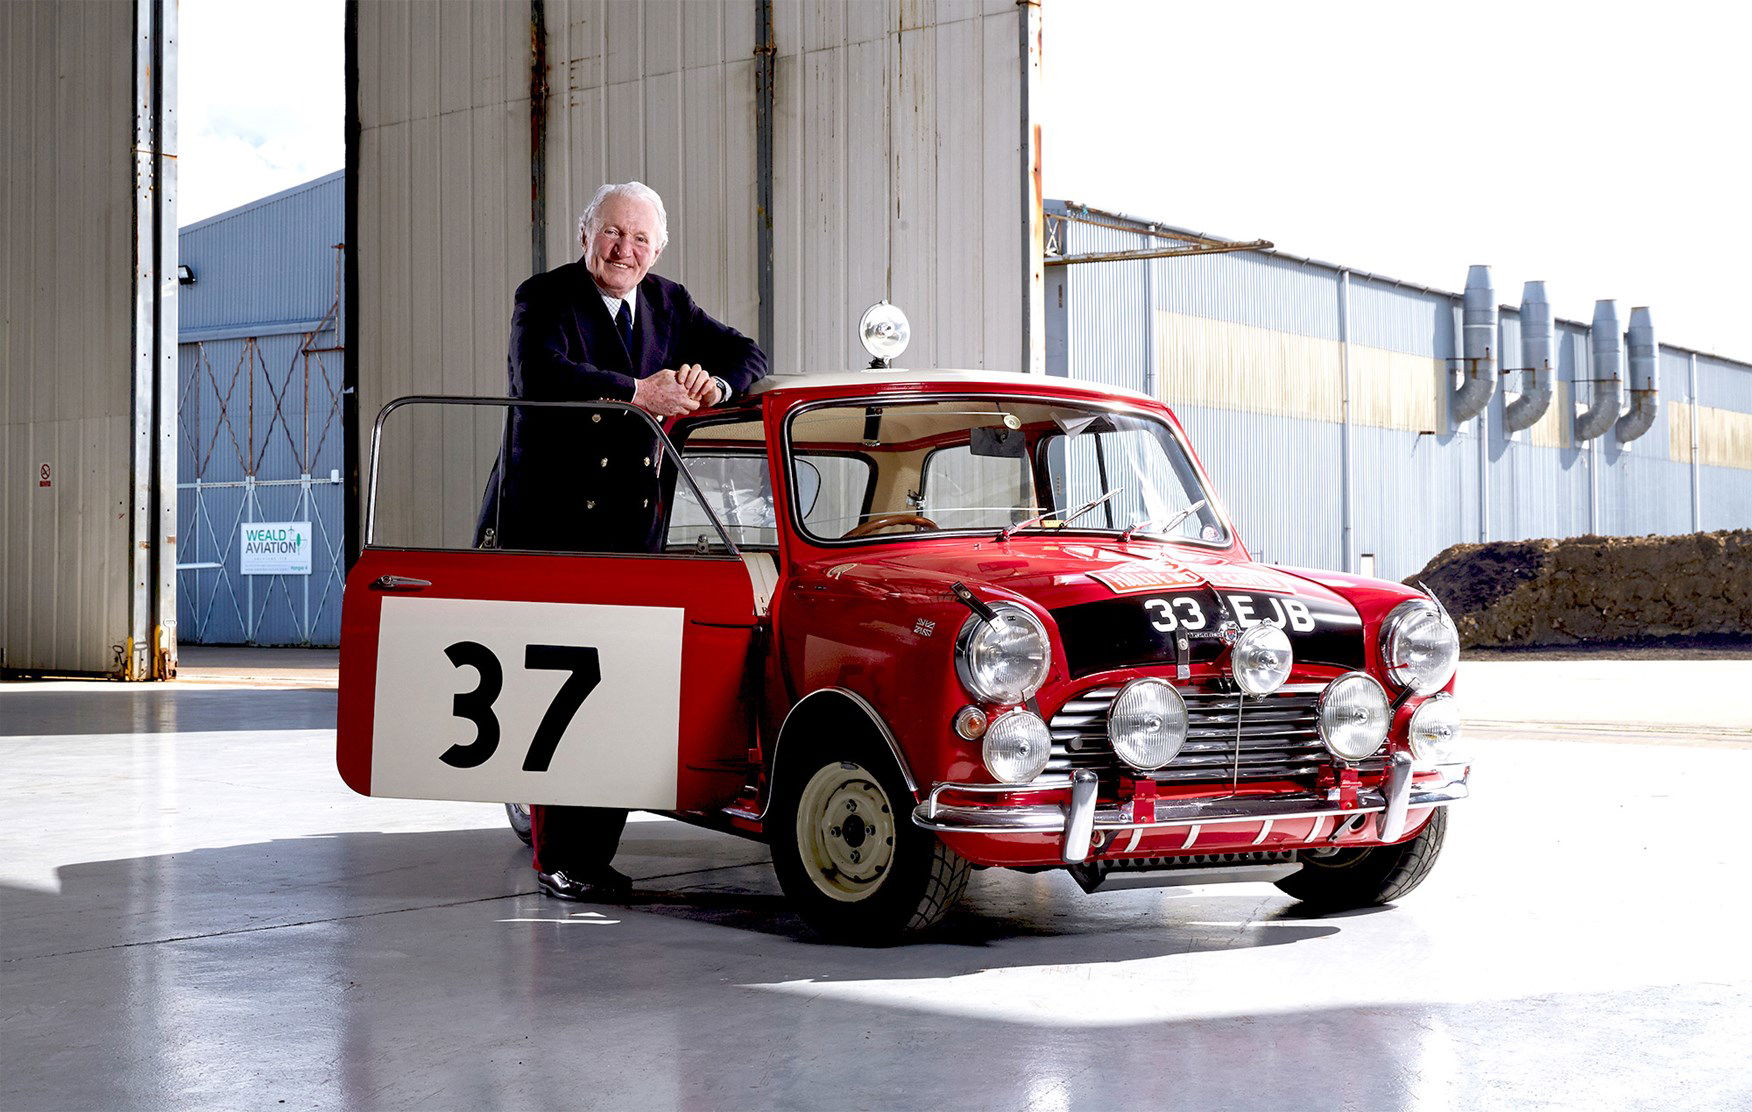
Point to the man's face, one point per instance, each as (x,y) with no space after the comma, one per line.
(623,245)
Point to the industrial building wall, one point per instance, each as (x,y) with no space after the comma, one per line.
(1252,351)
(82,311)
(895,166)
(260,436)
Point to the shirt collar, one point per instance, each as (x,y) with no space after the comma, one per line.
(613,305)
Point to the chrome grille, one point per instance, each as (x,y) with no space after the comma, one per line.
(1279,739)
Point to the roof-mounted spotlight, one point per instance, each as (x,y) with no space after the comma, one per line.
(884,332)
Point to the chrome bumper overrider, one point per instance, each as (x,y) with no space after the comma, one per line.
(1079,818)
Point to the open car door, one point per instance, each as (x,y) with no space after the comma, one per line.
(543,677)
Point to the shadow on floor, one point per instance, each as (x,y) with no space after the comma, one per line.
(684,876)
(116,708)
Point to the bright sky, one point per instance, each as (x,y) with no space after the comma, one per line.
(261,101)
(1602,148)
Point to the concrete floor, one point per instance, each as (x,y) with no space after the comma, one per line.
(195,913)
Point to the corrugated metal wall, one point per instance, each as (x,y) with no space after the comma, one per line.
(443,222)
(898,170)
(81,308)
(662,93)
(259,401)
(1250,350)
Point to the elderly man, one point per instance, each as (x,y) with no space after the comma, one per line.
(601,328)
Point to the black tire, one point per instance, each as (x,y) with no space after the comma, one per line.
(860,888)
(1354,878)
(518,814)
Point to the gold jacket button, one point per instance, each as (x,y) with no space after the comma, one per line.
(590,505)
(596,416)
(605,461)
(647,461)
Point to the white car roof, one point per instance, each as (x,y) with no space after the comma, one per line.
(934,377)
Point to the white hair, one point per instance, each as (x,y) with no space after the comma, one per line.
(637,190)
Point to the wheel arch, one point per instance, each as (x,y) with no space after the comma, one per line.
(836,707)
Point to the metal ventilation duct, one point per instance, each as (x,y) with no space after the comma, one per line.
(1606,341)
(1538,352)
(1478,329)
(1645,362)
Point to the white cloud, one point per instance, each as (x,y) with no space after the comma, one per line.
(261,100)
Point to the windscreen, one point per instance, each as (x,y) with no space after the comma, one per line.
(983,464)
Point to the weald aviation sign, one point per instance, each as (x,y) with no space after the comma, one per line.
(275,548)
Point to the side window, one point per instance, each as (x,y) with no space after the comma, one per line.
(740,493)
(832,491)
(967,491)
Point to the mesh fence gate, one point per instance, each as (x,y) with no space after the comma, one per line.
(260,439)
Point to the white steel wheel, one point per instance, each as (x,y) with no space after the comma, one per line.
(845,831)
(848,855)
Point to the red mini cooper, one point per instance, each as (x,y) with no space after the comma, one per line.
(905,625)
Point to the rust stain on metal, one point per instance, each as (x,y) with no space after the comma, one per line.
(538,110)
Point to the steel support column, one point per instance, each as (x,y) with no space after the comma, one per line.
(150,652)
(1696,472)
(1346,463)
(1033,195)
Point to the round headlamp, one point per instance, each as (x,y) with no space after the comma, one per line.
(1353,715)
(1261,660)
(1420,646)
(1147,724)
(1435,731)
(1004,660)
(884,332)
(1016,747)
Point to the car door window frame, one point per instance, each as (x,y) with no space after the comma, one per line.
(665,445)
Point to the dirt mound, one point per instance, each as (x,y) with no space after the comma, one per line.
(1595,589)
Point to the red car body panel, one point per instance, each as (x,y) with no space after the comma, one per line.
(877,618)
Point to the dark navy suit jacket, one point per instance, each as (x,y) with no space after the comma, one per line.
(590,480)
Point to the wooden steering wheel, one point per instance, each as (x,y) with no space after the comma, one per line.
(864,529)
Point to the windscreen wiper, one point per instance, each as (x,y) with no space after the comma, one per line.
(1168,525)
(1066,520)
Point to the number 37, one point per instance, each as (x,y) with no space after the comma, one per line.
(477,706)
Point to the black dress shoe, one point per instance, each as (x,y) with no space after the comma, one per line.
(599,884)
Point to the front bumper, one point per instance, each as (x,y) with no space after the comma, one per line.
(1080,817)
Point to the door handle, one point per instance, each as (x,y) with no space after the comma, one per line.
(398,583)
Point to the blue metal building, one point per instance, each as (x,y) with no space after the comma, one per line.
(1321,401)
(260,437)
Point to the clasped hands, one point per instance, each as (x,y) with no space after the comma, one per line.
(672,393)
